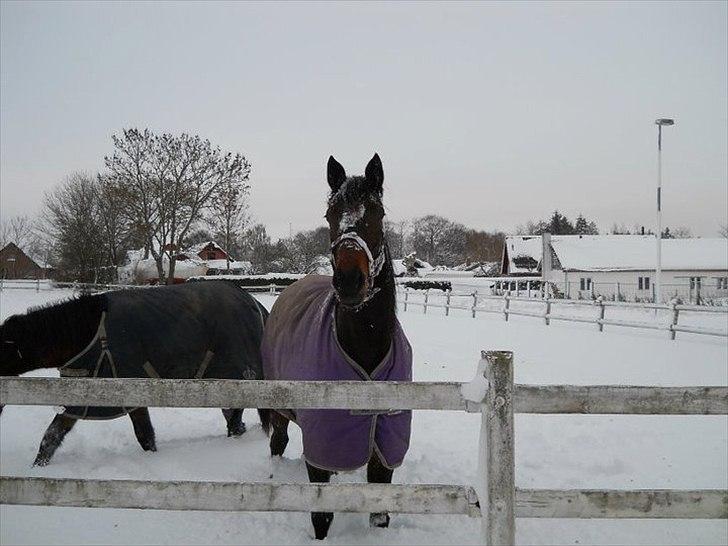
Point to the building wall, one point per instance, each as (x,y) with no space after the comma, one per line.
(15,264)
(626,283)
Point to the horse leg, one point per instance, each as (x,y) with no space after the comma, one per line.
(54,434)
(234,418)
(321,520)
(279,438)
(143,429)
(378,473)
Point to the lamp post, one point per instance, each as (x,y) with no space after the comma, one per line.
(666,122)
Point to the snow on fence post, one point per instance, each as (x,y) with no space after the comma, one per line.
(447,302)
(506,305)
(675,313)
(546,315)
(406,297)
(475,302)
(424,307)
(528,289)
(498,455)
(600,322)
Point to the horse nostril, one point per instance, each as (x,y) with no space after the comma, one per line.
(348,283)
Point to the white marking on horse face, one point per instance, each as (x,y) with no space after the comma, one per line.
(350,217)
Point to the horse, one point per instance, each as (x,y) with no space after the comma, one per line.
(194,330)
(343,327)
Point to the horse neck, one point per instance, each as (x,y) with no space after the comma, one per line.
(366,333)
(51,337)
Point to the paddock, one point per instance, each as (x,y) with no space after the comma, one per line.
(552,452)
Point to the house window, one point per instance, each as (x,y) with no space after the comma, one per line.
(585,283)
(643,283)
(694,283)
(722,283)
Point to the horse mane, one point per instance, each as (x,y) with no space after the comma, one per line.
(70,322)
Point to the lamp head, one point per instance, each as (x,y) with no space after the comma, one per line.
(664,121)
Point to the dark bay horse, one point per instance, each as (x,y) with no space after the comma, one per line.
(344,328)
(198,330)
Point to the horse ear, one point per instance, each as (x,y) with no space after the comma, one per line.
(335,174)
(374,173)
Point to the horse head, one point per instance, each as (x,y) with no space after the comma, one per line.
(355,215)
(11,358)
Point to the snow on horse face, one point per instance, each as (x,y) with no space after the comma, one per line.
(355,216)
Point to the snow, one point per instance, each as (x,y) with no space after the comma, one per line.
(637,252)
(621,253)
(564,451)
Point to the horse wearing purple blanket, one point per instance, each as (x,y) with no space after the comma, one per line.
(344,328)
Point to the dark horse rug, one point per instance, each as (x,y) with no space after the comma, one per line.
(210,329)
(300,344)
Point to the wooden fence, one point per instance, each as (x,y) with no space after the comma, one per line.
(543,309)
(500,501)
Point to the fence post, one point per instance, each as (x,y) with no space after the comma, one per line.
(506,305)
(37,285)
(475,302)
(528,289)
(548,312)
(497,421)
(602,307)
(675,313)
(447,302)
(568,290)
(406,296)
(272,289)
(424,307)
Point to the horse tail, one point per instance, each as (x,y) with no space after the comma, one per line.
(265,419)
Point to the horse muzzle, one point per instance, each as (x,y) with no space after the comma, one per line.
(351,273)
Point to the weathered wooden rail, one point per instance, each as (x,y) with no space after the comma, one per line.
(499,501)
(600,305)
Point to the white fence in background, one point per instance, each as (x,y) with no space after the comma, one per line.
(543,309)
(500,501)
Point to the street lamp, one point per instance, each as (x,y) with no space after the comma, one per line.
(666,122)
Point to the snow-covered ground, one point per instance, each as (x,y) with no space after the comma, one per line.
(551,451)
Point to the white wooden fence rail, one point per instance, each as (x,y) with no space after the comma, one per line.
(501,501)
(470,303)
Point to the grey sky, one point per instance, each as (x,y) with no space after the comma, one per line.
(490,113)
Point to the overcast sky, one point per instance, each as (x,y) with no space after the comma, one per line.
(490,113)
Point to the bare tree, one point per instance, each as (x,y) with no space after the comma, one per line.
(394,233)
(169,181)
(72,218)
(227,214)
(438,239)
(18,230)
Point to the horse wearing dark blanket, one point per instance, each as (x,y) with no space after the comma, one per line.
(209,329)
(344,328)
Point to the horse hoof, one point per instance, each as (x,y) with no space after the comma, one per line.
(41,461)
(149,447)
(379,519)
(237,431)
(321,523)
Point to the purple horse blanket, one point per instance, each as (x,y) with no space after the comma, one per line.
(300,343)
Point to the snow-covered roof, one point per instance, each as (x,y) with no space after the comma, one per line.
(524,253)
(638,252)
(617,253)
(194,250)
(234,264)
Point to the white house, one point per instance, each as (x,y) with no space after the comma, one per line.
(623,266)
